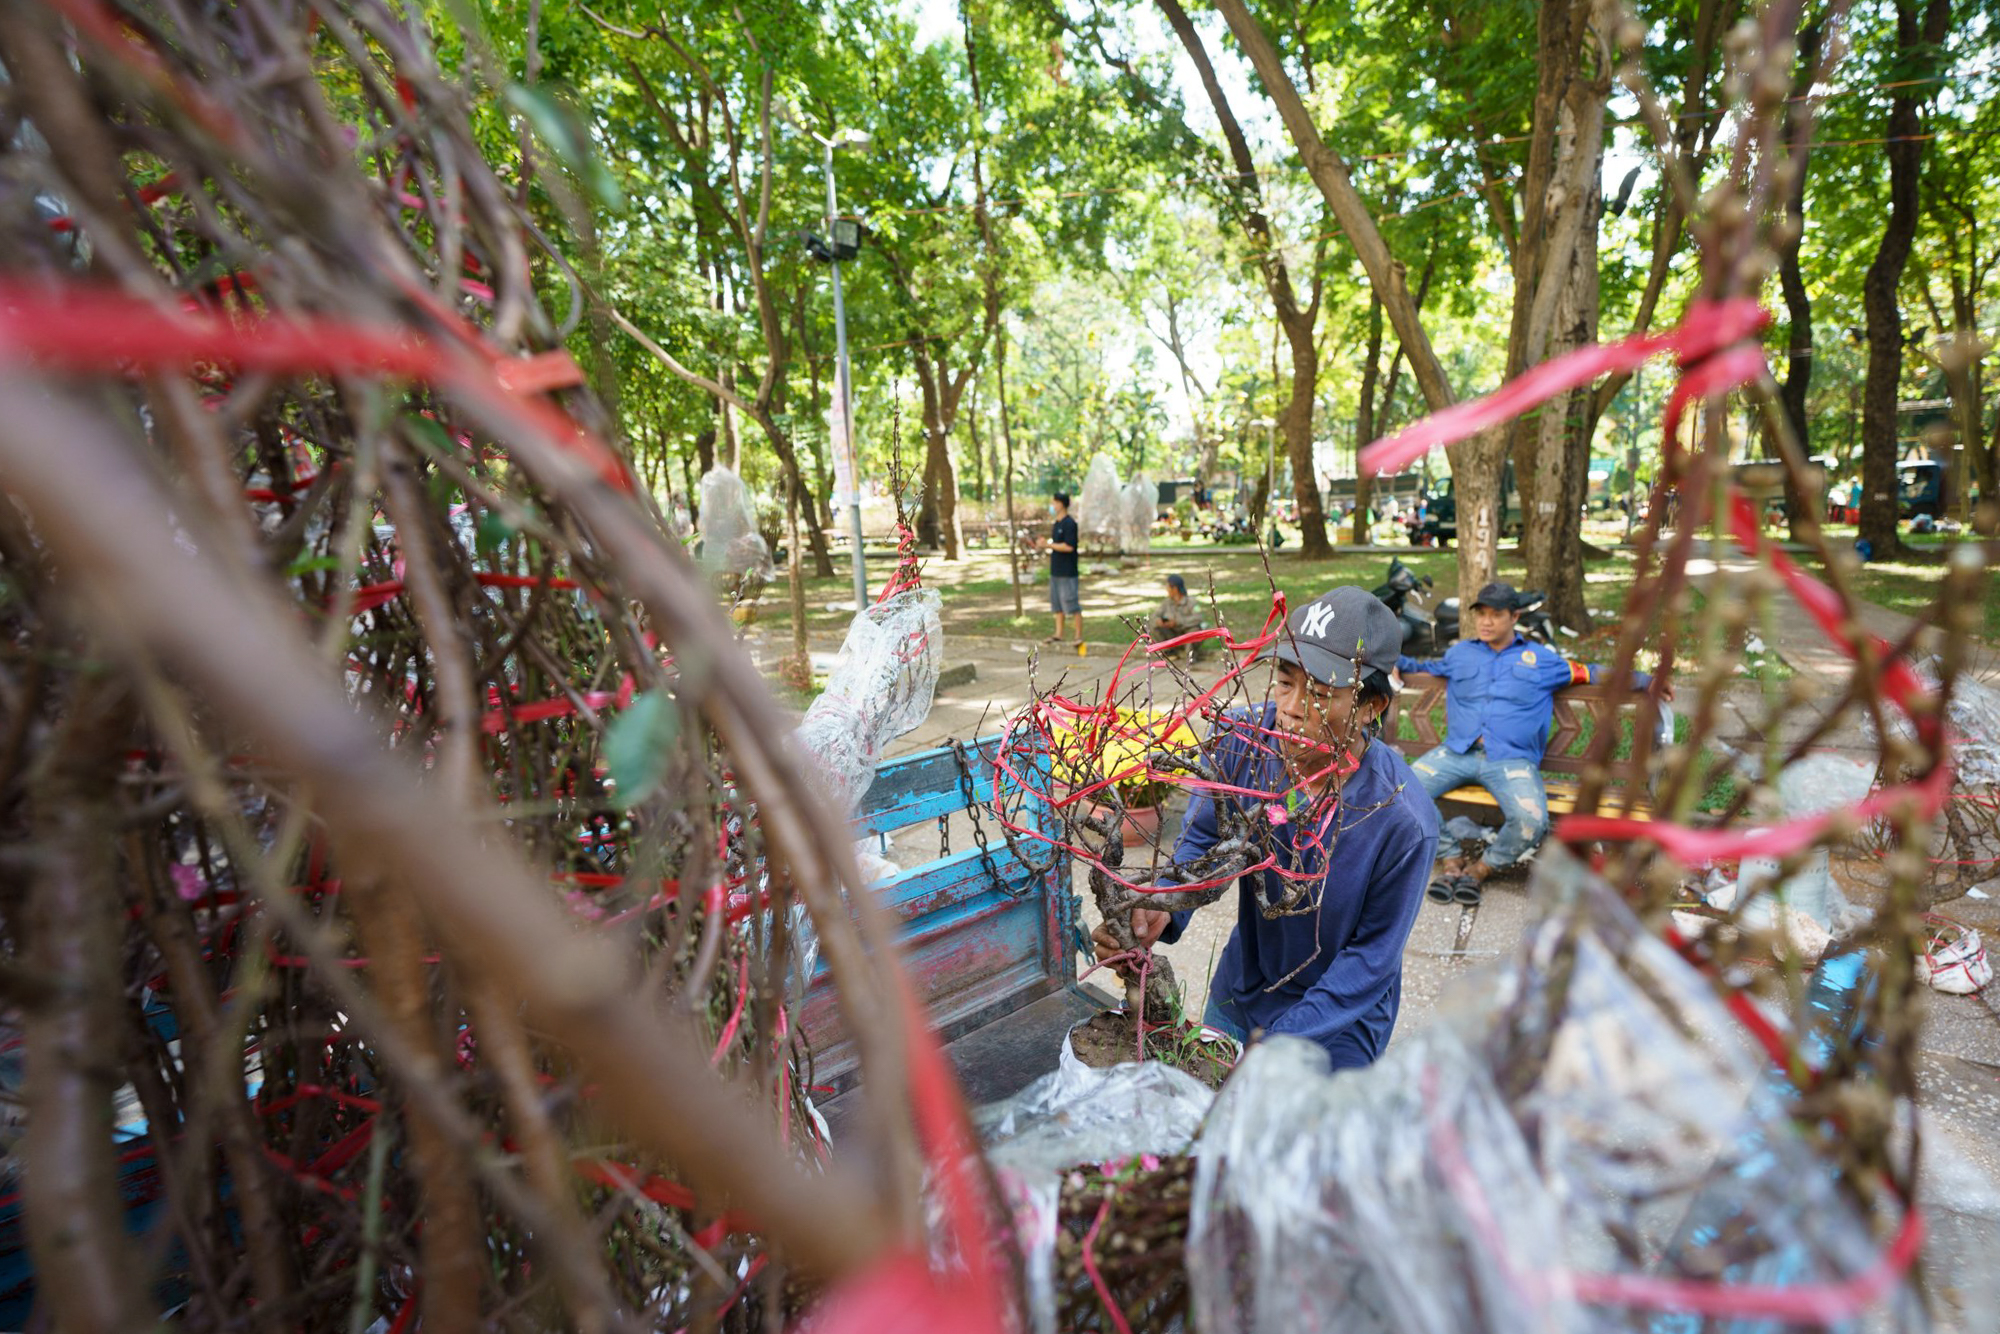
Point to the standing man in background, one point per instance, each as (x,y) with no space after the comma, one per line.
(1065,589)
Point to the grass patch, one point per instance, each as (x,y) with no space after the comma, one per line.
(1722,784)
(1911,587)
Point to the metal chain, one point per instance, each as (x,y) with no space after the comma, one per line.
(979,826)
(944,836)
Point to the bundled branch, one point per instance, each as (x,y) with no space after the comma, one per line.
(409,864)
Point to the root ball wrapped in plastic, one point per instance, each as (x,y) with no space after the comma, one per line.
(1656,1121)
(881,687)
(1368,1201)
(730,543)
(1141,504)
(1100,511)
(1058,1134)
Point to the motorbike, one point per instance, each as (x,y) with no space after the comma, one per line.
(1428,631)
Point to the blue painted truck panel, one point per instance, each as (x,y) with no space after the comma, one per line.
(981,934)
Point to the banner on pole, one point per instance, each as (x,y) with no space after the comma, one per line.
(842,447)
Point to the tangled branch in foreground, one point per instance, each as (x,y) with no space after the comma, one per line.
(411,866)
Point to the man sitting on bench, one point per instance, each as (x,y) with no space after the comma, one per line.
(1499,697)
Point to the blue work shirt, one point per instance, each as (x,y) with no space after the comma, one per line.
(1334,977)
(1505,698)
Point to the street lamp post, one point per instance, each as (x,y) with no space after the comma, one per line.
(843,241)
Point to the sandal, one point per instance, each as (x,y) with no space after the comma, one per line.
(1466,890)
(1440,889)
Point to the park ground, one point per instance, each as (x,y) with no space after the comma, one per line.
(1961,1036)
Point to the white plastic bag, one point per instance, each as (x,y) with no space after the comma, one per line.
(881,687)
(1954,960)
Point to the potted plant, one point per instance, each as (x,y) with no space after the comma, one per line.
(1108,759)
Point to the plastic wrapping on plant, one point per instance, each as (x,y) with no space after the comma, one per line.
(1099,510)
(1138,504)
(881,687)
(1079,1115)
(730,543)
(1324,1202)
(1610,1112)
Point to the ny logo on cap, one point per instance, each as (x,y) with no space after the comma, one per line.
(1317,616)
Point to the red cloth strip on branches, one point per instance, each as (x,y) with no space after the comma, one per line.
(1708,328)
(371,596)
(1034,732)
(908,573)
(95,330)
(1713,359)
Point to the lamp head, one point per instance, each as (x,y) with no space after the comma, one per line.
(846,238)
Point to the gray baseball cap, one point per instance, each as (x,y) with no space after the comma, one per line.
(1338,632)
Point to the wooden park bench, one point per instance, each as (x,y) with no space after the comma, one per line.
(1415,723)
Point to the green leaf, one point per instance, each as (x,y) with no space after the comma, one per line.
(637,745)
(493,530)
(425,431)
(563,132)
(311,565)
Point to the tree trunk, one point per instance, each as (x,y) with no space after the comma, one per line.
(1880,501)
(1297,423)
(598,329)
(1962,360)
(1475,473)
(1552,540)
(1559,193)
(937,516)
(788,458)
(978,453)
(1007,476)
(942,473)
(1791,280)
(1204,443)
(820,496)
(1552,528)
(1364,418)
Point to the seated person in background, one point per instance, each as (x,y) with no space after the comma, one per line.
(1178,612)
(1499,697)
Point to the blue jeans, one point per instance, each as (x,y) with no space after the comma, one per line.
(1515,784)
(1223,1021)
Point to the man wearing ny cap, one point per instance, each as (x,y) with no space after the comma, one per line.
(1499,696)
(1347,821)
